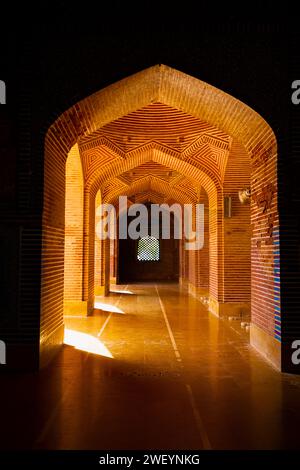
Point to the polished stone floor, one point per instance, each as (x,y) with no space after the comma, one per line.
(152,369)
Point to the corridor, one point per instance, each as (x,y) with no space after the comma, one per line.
(162,373)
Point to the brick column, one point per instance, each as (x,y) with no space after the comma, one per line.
(237,260)
(73,303)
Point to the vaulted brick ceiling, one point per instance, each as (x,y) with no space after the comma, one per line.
(151,168)
(156,124)
(152,177)
(150,183)
(160,123)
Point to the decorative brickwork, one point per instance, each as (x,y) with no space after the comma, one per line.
(163,134)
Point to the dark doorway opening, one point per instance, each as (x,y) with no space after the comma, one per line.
(163,265)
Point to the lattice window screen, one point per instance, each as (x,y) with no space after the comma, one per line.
(148,249)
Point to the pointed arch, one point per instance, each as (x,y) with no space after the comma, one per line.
(198,99)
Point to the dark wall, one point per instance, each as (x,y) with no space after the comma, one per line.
(130,269)
(55,53)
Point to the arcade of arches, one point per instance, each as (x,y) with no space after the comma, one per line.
(161,136)
(143,344)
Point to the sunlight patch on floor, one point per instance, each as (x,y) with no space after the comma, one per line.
(86,342)
(107,307)
(116,291)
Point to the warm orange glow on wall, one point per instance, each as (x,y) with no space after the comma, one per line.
(162,132)
(73,233)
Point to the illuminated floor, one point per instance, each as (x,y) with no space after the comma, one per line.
(161,374)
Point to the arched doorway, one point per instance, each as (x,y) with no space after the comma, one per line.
(217,131)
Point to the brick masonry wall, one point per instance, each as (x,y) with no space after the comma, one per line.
(98,262)
(265,254)
(73,227)
(202,260)
(211,106)
(237,261)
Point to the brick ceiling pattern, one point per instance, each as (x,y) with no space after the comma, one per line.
(156,125)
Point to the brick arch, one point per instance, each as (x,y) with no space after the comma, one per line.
(170,159)
(145,183)
(164,156)
(160,154)
(206,147)
(162,84)
(157,192)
